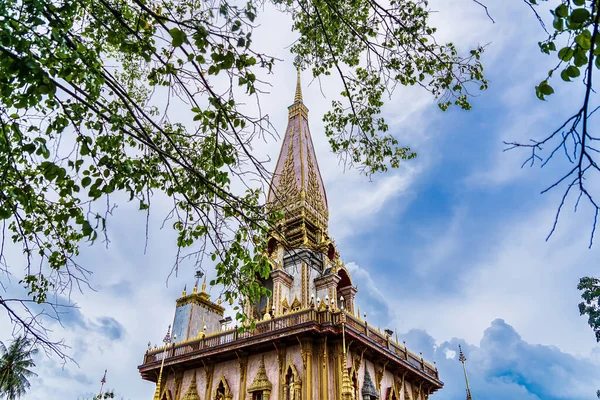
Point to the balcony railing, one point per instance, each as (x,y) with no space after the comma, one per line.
(291,320)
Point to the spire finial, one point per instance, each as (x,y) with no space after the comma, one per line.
(462,359)
(298,96)
(204,284)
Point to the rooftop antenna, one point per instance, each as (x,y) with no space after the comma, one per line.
(199,274)
(102,382)
(462,359)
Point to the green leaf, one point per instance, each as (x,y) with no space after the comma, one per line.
(565,54)
(579,2)
(546,89)
(562,10)
(179,37)
(573,71)
(580,15)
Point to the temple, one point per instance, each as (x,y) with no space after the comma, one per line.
(309,341)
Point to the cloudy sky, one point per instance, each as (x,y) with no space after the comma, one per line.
(449,249)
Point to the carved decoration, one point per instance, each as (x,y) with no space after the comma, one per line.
(296,305)
(379,371)
(293,389)
(223,392)
(178,383)
(406,393)
(261,381)
(314,198)
(208,372)
(192,392)
(392,393)
(368,390)
(285,307)
(416,392)
(166,395)
(286,189)
(243,364)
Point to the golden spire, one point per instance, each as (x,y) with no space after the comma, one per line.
(462,359)
(347,390)
(298,96)
(204,285)
(166,341)
(297,187)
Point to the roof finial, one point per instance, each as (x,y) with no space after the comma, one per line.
(462,359)
(298,96)
(204,284)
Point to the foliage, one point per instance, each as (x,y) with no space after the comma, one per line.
(590,305)
(81,129)
(575,42)
(16,363)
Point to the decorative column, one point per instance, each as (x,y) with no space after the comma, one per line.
(281,361)
(208,371)
(307,355)
(349,293)
(243,372)
(337,373)
(323,371)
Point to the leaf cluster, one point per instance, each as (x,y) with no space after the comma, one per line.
(80,84)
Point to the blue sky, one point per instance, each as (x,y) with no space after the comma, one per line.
(449,249)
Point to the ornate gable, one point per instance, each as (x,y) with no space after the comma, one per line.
(368,388)
(261,381)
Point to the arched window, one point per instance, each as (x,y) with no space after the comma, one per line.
(222,392)
(289,384)
(271,246)
(330,252)
(292,385)
(220,395)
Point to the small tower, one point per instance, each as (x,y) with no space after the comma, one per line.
(462,359)
(195,314)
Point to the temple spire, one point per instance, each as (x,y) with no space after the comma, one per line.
(298,95)
(462,359)
(297,187)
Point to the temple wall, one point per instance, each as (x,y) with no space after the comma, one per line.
(230,370)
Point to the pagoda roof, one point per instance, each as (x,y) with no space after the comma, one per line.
(297,174)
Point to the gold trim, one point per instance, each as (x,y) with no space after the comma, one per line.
(201,299)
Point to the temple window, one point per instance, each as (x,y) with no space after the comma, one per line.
(331,252)
(257,395)
(289,385)
(271,246)
(220,395)
(223,392)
